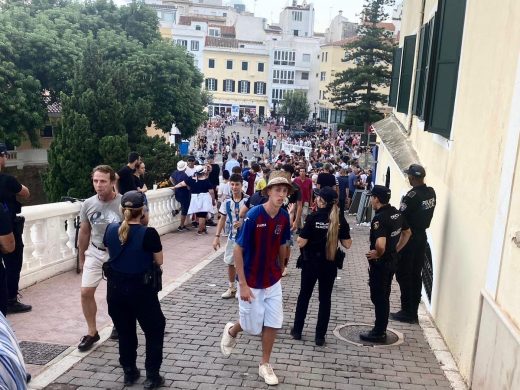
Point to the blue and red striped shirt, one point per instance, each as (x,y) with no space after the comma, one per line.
(261,238)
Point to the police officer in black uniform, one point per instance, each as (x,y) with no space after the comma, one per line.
(417,207)
(133,248)
(324,227)
(388,235)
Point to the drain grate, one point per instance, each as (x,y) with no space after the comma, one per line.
(40,353)
(350,333)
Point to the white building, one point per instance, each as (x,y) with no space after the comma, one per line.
(340,28)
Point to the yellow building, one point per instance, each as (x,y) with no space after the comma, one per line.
(236,73)
(456,97)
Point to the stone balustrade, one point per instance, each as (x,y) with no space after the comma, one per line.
(288,148)
(50,232)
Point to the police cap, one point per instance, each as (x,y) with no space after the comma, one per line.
(381,192)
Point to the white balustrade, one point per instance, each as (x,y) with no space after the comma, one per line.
(289,148)
(50,232)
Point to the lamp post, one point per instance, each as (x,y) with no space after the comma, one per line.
(315,117)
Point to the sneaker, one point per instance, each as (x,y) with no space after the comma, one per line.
(403,316)
(15,306)
(266,371)
(210,222)
(195,224)
(114,335)
(87,342)
(153,382)
(228,342)
(373,336)
(295,335)
(285,272)
(320,341)
(200,233)
(230,293)
(131,375)
(181,229)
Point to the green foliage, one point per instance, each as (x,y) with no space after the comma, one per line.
(160,159)
(295,107)
(357,89)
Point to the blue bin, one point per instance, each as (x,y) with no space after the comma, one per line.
(184,147)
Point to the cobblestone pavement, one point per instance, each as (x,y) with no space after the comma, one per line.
(196,316)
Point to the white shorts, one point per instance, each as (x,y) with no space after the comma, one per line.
(228,255)
(92,271)
(266,309)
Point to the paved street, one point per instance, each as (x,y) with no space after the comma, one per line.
(195,318)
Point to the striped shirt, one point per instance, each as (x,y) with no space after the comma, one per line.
(12,367)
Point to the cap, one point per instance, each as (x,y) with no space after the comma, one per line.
(191,158)
(132,200)
(381,192)
(327,194)
(3,148)
(200,169)
(279,178)
(415,170)
(181,165)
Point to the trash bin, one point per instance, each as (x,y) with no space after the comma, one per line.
(184,147)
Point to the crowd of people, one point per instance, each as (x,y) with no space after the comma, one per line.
(266,205)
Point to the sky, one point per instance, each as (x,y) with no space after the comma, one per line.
(325,10)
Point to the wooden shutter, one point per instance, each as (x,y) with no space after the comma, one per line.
(405,83)
(396,69)
(420,73)
(248,86)
(443,90)
(216,85)
(232,85)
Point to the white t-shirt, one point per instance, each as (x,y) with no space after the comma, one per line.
(231,210)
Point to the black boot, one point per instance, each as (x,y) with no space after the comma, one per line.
(153,380)
(15,306)
(131,375)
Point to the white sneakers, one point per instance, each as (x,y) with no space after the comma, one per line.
(230,293)
(266,371)
(228,342)
(285,272)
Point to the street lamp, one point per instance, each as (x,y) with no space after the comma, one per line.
(315,117)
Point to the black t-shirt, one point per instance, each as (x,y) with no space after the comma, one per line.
(199,186)
(126,180)
(296,195)
(214,175)
(256,199)
(139,182)
(315,231)
(388,222)
(417,207)
(5,223)
(151,240)
(326,179)
(9,187)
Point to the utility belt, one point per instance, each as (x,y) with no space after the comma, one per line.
(151,278)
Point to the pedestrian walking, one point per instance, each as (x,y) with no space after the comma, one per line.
(10,190)
(182,194)
(318,240)
(389,232)
(259,255)
(417,207)
(97,212)
(135,253)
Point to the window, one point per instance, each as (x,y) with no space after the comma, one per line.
(182,42)
(322,76)
(47,132)
(297,16)
(260,66)
(423,66)
(305,75)
(295,32)
(229,86)
(282,57)
(394,85)
(194,45)
(443,74)
(211,63)
(260,88)
(406,74)
(278,94)
(244,86)
(197,27)
(306,58)
(214,32)
(211,84)
(244,65)
(326,56)
(229,64)
(283,76)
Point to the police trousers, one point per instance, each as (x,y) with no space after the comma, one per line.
(409,271)
(3,289)
(324,272)
(380,274)
(130,300)
(13,265)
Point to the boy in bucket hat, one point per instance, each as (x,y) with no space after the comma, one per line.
(260,248)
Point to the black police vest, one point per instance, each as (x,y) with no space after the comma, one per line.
(130,258)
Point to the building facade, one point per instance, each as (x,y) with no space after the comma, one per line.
(456,92)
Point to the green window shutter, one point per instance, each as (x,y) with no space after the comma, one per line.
(420,74)
(445,70)
(406,74)
(394,85)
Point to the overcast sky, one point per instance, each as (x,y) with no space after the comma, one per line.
(325,10)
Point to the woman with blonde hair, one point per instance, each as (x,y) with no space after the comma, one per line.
(135,254)
(324,229)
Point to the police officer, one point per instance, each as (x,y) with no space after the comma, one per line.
(388,235)
(133,248)
(417,207)
(318,240)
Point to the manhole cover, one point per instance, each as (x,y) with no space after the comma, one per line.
(61,386)
(40,353)
(350,333)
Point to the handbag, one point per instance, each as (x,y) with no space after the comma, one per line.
(153,278)
(339,258)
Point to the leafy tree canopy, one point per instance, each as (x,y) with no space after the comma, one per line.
(359,89)
(295,107)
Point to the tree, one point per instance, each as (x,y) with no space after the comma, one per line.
(358,89)
(295,107)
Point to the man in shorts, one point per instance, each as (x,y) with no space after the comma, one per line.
(95,215)
(260,252)
(229,213)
